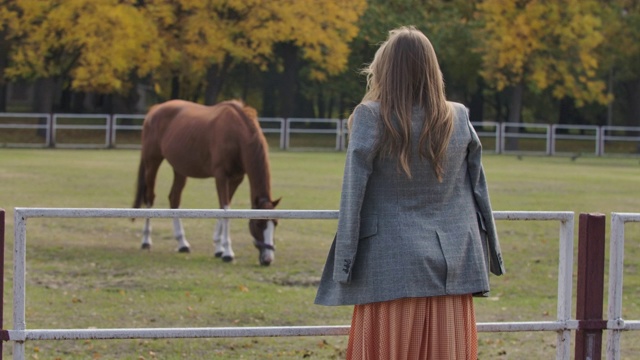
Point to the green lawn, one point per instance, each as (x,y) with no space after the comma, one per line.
(86,273)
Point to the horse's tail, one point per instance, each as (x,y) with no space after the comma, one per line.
(141,188)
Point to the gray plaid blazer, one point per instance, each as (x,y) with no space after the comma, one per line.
(399,237)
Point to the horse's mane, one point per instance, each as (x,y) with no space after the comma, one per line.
(258,147)
(246,112)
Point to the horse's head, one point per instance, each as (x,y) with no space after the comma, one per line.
(263,231)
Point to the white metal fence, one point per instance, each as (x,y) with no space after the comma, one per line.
(111,132)
(563,324)
(616,323)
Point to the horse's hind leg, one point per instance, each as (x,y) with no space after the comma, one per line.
(146,235)
(222,240)
(150,173)
(217,237)
(179,181)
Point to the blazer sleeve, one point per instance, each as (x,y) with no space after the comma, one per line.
(481,196)
(357,169)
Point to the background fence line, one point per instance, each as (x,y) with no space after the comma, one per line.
(501,138)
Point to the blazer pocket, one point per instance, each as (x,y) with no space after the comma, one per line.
(368,226)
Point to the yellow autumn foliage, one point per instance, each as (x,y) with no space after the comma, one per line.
(98,43)
(199,33)
(545,44)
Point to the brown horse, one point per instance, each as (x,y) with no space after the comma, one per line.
(223,141)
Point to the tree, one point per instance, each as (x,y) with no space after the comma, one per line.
(310,34)
(205,39)
(448,24)
(539,45)
(92,46)
(620,54)
(7,16)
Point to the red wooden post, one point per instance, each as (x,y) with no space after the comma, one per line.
(590,289)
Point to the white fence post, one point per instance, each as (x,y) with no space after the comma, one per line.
(616,324)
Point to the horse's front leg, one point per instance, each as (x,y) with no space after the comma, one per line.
(179,181)
(226,187)
(222,240)
(178,233)
(146,235)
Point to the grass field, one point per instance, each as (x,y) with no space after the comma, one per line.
(85,273)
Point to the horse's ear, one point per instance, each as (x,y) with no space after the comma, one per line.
(276,202)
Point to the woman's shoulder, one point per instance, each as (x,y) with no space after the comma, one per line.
(371,106)
(458,108)
(367,112)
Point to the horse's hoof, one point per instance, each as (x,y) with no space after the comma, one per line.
(184,249)
(218,254)
(146,247)
(227,258)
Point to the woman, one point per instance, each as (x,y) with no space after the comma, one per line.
(416,236)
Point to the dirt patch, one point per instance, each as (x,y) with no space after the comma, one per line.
(76,281)
(299,280)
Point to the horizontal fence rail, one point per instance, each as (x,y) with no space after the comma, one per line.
(563,324)
(92,122)
(123,131)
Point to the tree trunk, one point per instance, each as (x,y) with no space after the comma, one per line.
(246,81)
(330,106)
(43,91)
(269,92)
(341,106)
(3,96)
(633,101)
(125,103)
(568,114)
(4,60)
(43,101)
(303,106)
(497,97)
(66,97)
(215,77)
(175,87)
(321,102)
(3,89)
(288,84)
(78,102)
(515,94)
(476,106)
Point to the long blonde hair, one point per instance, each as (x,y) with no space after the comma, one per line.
(405,73)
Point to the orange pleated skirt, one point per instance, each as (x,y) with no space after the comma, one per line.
(429,328)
